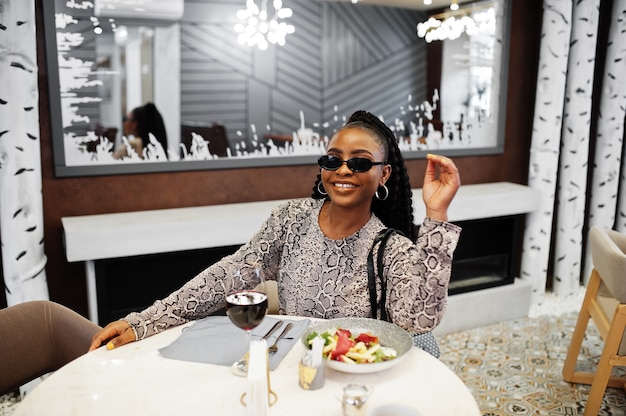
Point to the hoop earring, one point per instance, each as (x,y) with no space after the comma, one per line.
(386,193)
(320,188)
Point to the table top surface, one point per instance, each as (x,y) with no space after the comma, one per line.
(136,379)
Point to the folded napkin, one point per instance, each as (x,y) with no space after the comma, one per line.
(216,340)
(257,400)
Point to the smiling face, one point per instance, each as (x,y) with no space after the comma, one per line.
(346,188)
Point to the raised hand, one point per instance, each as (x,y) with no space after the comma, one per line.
(441,182)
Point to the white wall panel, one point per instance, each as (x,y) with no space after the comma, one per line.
(21,204)
(545,142)
(575,138)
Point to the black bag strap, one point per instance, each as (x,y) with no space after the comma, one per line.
(425,340)
(381,238)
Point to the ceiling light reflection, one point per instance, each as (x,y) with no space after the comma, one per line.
(446,26)
(256,29)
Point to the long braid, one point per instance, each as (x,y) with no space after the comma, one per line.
(397,210)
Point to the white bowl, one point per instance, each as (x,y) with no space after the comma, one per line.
(389,335)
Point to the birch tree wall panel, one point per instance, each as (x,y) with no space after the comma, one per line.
(544,152)
(618,37)
(605,181)
(572,191)
(21,207)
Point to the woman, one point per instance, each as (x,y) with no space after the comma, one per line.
(363,188)
(138,125)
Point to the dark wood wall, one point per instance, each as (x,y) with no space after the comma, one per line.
(108,194)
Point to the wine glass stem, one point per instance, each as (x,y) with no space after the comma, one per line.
(248,341)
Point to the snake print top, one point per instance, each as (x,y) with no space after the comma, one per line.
(320,277)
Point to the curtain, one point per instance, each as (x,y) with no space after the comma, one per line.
(21,204)
(577,169)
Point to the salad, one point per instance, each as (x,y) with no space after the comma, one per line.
(341,345)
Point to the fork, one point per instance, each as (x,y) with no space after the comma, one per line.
(274,346)
(240,367)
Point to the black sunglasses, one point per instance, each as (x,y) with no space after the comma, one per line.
(355,164)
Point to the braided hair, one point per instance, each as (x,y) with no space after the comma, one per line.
(396,211)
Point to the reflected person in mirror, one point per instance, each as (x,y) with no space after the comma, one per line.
(144,134)
(316,248)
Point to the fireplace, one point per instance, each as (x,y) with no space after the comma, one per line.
(487,254)
(485,257)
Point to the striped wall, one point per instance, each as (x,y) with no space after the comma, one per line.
(341,58)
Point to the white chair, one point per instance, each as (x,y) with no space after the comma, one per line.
(605,303)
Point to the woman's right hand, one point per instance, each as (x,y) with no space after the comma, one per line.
(114,335)
(441,182)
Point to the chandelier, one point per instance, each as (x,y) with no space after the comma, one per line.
(452,25)
(256,27)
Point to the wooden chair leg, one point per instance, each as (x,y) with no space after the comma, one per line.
(599,384)
(581,327)
(608,358)
(598,387)
(575,345)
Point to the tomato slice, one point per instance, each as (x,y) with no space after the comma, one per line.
(344,343)
(367,339)
(346,332)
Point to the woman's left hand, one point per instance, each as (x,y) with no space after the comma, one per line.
(441,181)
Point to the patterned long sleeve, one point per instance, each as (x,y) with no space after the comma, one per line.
(320,277)
(419,274)
(206,292)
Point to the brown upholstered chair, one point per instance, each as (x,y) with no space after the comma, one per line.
(605,303)
(39,337)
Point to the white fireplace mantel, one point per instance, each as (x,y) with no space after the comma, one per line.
(106,236)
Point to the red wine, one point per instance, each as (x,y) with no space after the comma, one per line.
(246,308)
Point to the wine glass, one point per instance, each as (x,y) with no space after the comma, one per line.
(246,309)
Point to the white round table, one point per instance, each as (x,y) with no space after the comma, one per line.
(135,379)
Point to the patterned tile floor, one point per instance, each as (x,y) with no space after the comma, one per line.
(514,367)
(8,403)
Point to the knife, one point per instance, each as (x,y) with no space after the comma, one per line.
(272,329)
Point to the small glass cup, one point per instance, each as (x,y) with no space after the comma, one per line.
(354,400)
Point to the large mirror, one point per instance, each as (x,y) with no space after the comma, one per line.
(224,104)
